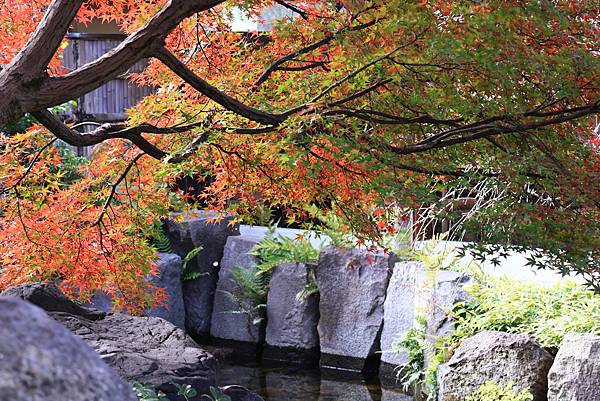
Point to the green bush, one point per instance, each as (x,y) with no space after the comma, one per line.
(490,391)
(501,304)
(546,313)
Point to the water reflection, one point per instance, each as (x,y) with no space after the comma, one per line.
(300,384)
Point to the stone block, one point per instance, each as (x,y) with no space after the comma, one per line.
(352,285)
(42,360)
(187,232)
(291,333)
(234,314)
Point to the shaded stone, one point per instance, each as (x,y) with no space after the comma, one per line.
(144,349)
(51,299)
(498,357)
(221,354)
(168,278)
(575,374)
(42,360)
(100,301)
(234,314)
(291,333)
(352,285)
(445,289)
(187,232)
(417,293)
(448,290)
(394,395)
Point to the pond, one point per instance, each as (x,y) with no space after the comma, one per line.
(302,384)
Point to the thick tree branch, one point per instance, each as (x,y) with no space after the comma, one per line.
(228,102)
(33,59)
(484,130)
(100,134)
(137,46)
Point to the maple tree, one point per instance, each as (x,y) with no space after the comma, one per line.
(359,106)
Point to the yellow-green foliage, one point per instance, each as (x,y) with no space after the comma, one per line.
(490,391)
(546,313)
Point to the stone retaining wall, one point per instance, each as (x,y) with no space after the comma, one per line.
(367,302)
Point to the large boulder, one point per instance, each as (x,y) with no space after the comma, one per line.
(235,316)
(169,279)
(188,231)
(498,357)
(144,349)
(352,285)
(291,334)
(575,374)
(42,360)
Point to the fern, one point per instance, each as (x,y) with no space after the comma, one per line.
(159,238)
(275,250)
(185,275)
(251,283)
(251,294)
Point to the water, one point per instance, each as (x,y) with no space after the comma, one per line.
(301,384)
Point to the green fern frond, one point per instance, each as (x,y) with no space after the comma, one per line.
(159,238)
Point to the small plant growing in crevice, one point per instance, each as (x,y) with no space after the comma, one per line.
(186,391)
(310,288)
(413,344)
(188,275)
(251,297)
(276,249)
(491,391)
(253,281)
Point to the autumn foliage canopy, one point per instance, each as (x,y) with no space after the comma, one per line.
(356,106)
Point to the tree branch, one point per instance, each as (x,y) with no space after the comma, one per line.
(33,59)
(113,189)
(137,46)
(228,102)
(307,49)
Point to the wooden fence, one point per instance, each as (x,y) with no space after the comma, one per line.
(109,102)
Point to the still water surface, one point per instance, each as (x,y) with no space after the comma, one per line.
(301,384)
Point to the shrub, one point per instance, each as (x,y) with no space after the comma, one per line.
(502,304)
(546,313)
